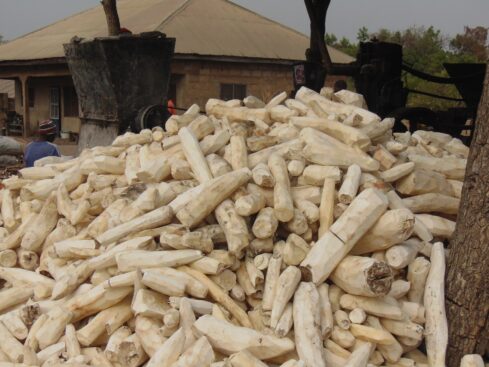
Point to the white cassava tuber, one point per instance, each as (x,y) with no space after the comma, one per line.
(349,187)
(307,330)
(286,286)
(434,302)
(472,360)
(283,205)
(228,339)
(343,234)
(293,232)
(363,276)
(392,228)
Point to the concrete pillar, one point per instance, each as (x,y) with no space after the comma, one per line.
(25,104)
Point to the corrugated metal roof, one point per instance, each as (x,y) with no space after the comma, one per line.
(7,86)
(210,27)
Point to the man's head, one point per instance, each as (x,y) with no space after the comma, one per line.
(47,131)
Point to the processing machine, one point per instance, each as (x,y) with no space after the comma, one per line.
(378,72)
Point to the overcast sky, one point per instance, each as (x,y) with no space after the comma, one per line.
(18,17)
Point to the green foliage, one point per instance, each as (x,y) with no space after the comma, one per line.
(347,47)
(363,34)
(472,43)
(330,39)
(344,44)
(426,49)
(1,39)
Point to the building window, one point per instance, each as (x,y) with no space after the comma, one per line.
(70,102)
(32,96)
(54,103)
(233,91)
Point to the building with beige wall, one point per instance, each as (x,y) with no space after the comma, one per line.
(222,50)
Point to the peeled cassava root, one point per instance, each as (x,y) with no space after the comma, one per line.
(295,233)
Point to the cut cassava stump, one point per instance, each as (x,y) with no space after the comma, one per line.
(269,234)
(363,276)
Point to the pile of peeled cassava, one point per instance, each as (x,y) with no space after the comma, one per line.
(301,232)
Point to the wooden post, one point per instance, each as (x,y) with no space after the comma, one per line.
(467,298)
(113,23)
(25,103)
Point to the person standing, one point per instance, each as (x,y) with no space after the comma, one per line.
(43,146)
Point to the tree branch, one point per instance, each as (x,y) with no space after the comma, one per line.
(113,23)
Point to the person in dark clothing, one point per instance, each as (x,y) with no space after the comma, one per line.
(43,146)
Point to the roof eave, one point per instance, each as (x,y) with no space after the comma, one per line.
(34,62)
(177,56)
(236,59)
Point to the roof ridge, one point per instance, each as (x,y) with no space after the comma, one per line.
(174,14)
(266,18)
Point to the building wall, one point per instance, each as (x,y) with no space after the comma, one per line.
(200,80)
(41,109)
(196,82)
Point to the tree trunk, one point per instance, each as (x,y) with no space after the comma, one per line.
(467,297)
(317,10)
(113,23)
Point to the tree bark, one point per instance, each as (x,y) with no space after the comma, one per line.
(113,23)
(317,10)
(468,263)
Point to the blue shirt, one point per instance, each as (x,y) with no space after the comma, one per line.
(37,150)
